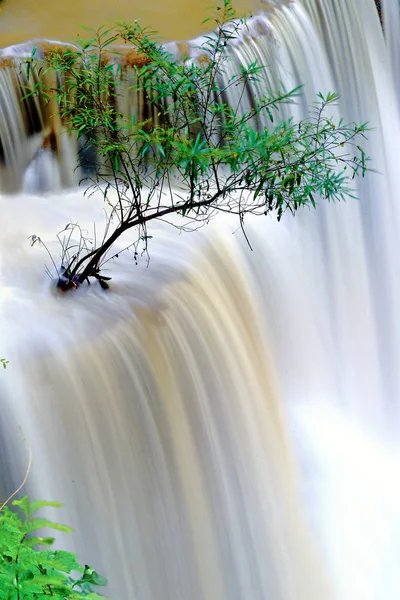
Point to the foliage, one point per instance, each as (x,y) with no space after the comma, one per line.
(28,573)
(4,362)
(226,159)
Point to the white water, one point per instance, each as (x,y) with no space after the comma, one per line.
(161,413)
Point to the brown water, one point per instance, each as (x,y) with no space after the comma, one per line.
(179,19)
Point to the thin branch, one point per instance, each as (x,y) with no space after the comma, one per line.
(28,469)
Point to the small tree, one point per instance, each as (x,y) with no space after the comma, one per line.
(225,159)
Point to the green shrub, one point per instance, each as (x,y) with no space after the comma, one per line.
(217,152)
(30,573)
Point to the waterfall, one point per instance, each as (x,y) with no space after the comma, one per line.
(391,23)
(223,424)
(160,406)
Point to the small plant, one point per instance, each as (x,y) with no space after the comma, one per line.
(30,573)
(196,134)
(4,362)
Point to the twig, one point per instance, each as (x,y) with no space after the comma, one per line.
(23,482)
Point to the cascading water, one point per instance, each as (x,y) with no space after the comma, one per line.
(160,413)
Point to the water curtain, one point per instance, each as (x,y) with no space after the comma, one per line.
(165,415)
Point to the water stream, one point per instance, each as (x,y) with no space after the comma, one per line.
(222,425)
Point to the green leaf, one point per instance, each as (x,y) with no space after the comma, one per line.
(39,541)
(35,506)
(25,576)
(23,505)
(90,576)
(35,524)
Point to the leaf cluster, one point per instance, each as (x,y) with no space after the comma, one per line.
(30,573)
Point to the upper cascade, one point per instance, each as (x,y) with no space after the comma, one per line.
(32,135)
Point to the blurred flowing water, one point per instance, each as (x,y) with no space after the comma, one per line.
(224,423)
